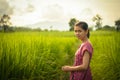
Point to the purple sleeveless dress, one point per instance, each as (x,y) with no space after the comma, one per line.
(82,75)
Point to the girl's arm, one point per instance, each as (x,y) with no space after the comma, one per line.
(82,67)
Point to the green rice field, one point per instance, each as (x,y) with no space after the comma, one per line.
(40,55)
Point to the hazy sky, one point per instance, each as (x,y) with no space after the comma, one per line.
(58,12)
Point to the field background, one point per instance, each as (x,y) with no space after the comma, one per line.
(40,55)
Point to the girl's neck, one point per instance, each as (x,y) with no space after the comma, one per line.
(84,40)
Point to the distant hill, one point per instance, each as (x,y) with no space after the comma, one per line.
(50,26)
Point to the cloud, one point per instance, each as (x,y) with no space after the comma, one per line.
(5,8)
(53,12)
(30,8)
(59,11)
(21,7)
(86,13)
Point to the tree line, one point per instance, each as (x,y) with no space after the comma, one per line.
(98,23)
(6,25)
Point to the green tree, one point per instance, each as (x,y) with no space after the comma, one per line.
(108,27)
(98,21)
(117,24)
(72,23)
(5,22)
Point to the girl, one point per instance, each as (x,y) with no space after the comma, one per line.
(81,68)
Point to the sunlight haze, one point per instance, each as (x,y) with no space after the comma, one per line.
(57,13)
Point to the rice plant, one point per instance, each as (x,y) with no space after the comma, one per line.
(40,55)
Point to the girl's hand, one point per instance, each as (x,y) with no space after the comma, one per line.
(66,68)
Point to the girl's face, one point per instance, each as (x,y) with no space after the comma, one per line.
(80,33)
